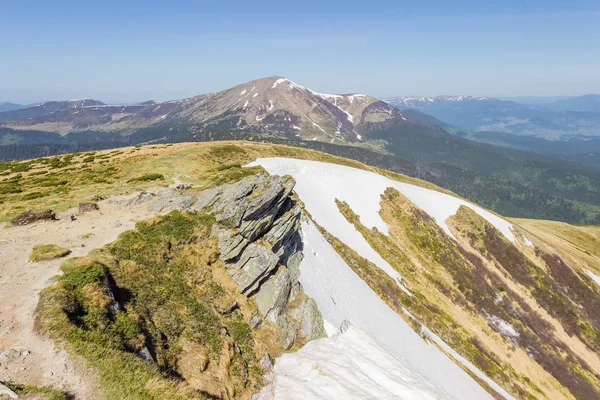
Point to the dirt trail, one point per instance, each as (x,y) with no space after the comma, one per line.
(26,357)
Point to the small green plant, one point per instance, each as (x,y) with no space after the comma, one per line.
(147,177)
(44,393)
(44,252)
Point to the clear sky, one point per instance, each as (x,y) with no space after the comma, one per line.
(132,50)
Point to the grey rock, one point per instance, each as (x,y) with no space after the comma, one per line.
(266,361)
(288,331)
(344,326)
(312,321)
(171,203)
(9,354)
(231,244)
(145,355)
(255,321)
(4,391)
(87,207)
(142,197)
(273,295)
(254,266)
(31,216)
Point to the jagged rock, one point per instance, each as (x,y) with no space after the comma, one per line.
(288,332)
(266,361)
(273,295)
(87,207)
(9,354)
(312,321)
(145,355)
(171,203)
(231,244)
(31,216)
(255,265)
(234,306)
(142,197)
(4,391)
(255,321)
(344,326)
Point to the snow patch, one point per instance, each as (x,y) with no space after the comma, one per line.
(243,92)
(255,94)
(349,366)
(319,184)
(358,137)
(342,295)
(270,105)
(245,104)
(595,278)
(277,82)
(505,328)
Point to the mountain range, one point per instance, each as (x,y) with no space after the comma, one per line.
(561,119)
(513,182)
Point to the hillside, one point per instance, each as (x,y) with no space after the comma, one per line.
(275,109)
(273,105)
(191,276)
(570,118)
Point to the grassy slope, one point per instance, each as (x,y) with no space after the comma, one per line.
(414,242)
(60,182)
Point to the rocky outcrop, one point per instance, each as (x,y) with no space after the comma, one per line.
(258,224)
(88,207)
(29,217)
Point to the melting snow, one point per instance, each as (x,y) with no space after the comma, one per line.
(350,365)
(243,92)
(410,364)
(319,184)
(255,94)
(277,82)
(594,277)
(245,104)
(270,105)
(505,328)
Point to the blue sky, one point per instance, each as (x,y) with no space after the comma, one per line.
(137,50)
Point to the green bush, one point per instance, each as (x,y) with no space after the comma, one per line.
(147,177)
(43,252)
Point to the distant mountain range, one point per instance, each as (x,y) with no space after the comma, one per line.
(358,126)
(560,119)
(272,105)
(5,106)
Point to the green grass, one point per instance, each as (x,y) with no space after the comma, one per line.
(44,252)
(147,177)
(43,393)
(163,276)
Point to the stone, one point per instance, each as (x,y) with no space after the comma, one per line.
(171,203)
(255,265)
(9,354)
(31,216)
(4,391)
(288,332)
(231,244)
(266,361)
(273,295)
(87,207)
(312,321)
(146,355)
(255,321)
(142,197)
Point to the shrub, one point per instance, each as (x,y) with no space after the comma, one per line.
(147,177)
(44,252)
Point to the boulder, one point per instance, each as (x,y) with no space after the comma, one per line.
(254,266)
(273,295)
(170,203)
(31,216)
(87,207)
(6,392)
